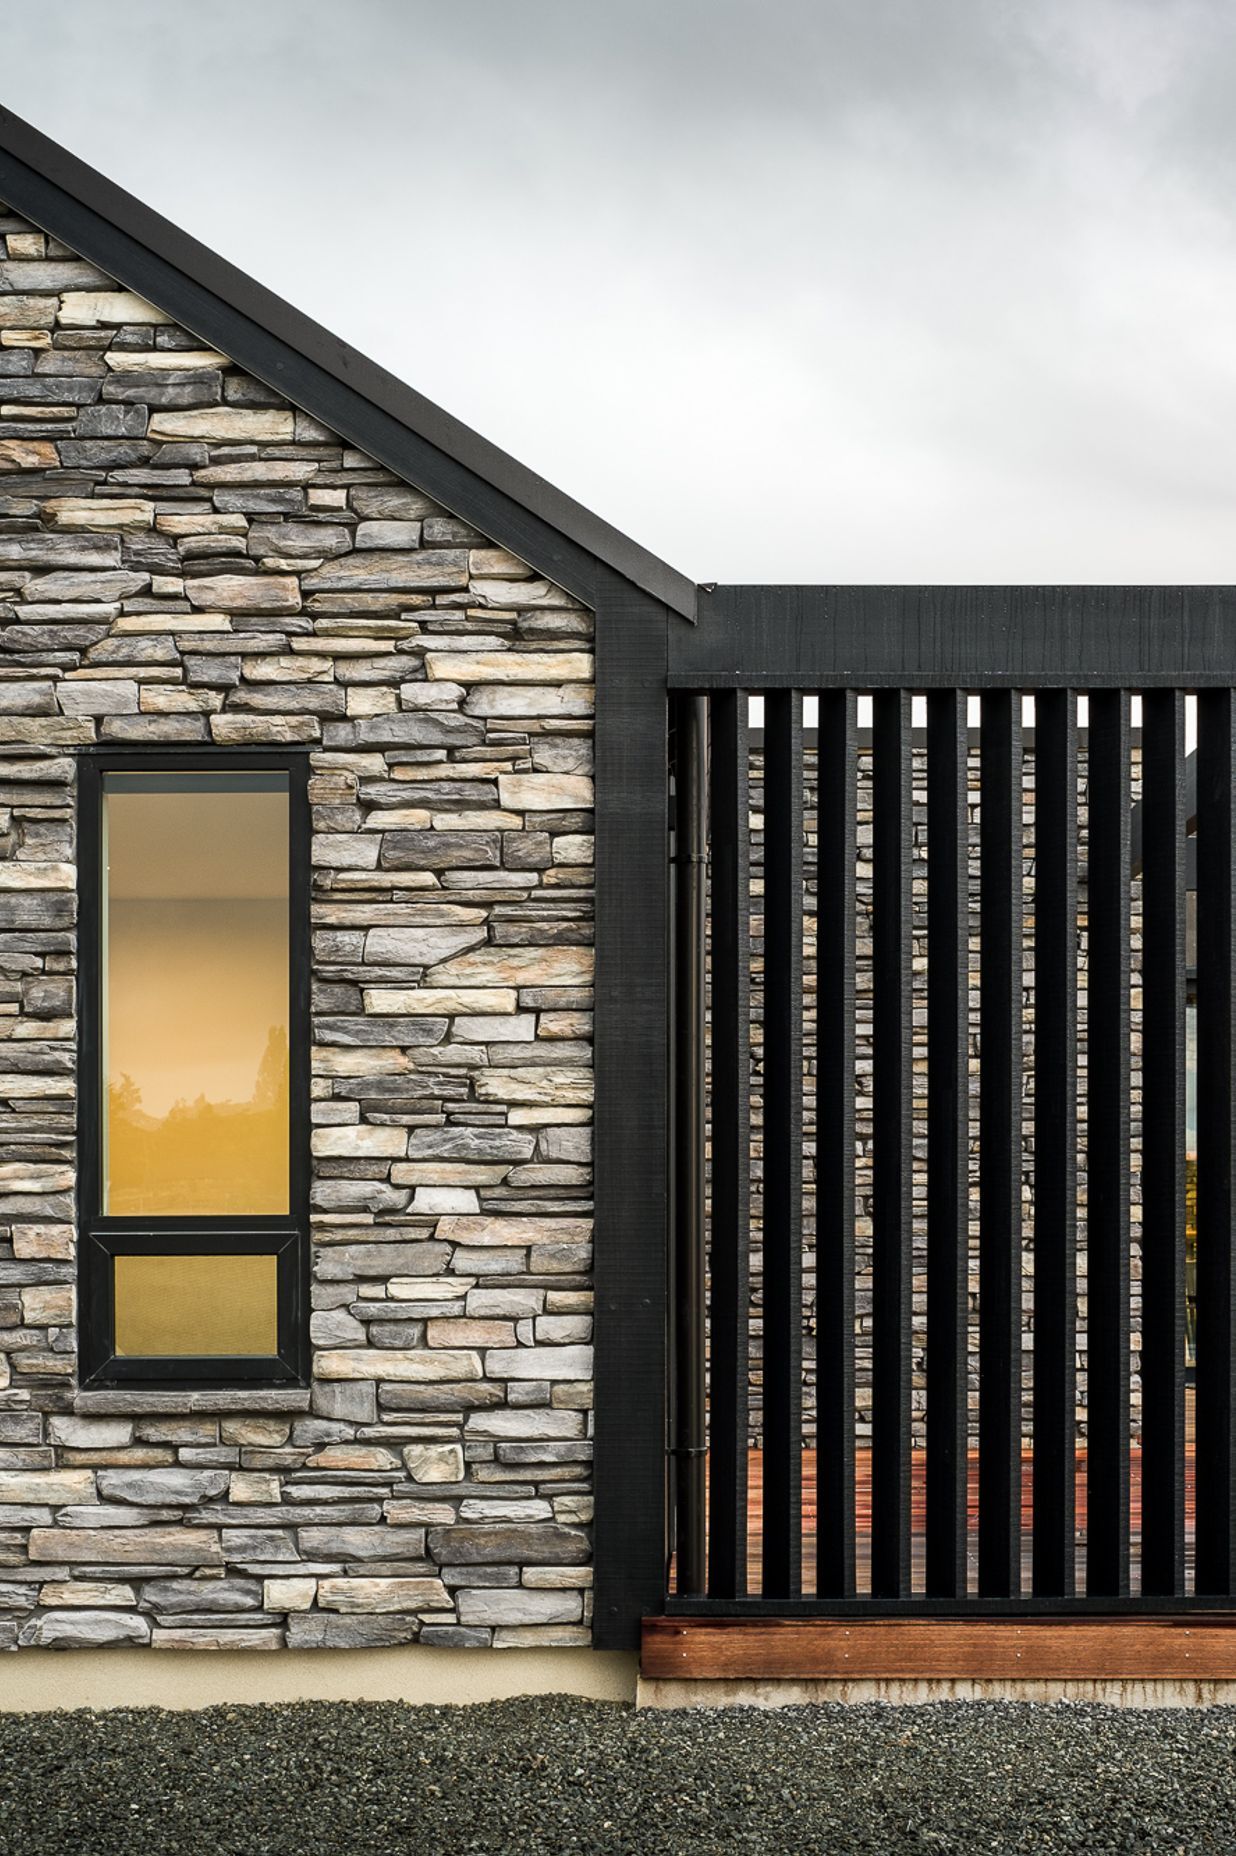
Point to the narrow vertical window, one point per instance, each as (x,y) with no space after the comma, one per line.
(192,1061)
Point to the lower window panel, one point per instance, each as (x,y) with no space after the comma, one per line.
(194,1308)
(207,1306)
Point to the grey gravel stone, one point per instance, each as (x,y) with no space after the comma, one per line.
(550,1776)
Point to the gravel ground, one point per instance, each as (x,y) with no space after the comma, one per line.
(542,1777)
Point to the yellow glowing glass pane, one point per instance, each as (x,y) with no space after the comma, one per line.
(196,1306)
(195,1005)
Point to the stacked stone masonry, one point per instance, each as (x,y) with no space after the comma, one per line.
(863,1115)
(186,558)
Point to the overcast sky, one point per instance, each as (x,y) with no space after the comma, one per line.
(790,290)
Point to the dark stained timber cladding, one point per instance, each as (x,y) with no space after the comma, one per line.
(1216,1143)
(892,1160)
(1055,1138)
(1107,1158)
(731,1146)
(1000,1061)
(837,856)
(951,637)
(632,1015)
(783,936)
(948,996)
(1163,1176)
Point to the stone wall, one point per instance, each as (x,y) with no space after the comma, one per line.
(185,558)
(921,1082)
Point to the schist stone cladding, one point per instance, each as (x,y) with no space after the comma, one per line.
(186,558)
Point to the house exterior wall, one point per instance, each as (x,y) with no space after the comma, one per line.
(187,559)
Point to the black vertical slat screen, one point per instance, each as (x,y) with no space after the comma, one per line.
(836,861)
(1055,1140)
(1000,1123)
(1216,1142)
(783,1157)
(1108,1151)
(892,1154)
(975,1189)
(1163,1180)
(731,1147)
(948,1210)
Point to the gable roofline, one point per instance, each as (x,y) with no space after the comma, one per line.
(323,375)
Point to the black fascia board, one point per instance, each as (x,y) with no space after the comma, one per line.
(321,374)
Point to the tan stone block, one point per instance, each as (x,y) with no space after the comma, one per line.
(261,1433)
(163,360)
(246,593)
(361,1142)
(98,514)
(437,1001)
(396,1365)
(200,522)
(429,1288)
(546,792)
(46,1487)
(449,1332)
(496,564)
(27,454)
(246,1486)
(511,666)
(20,311)
(134,1546)
(176,622)
(53,1242)
(284,667)
(478,821)
(371,1457)
(370,1595)
(240,424)
(48,1304)
(16,875)
(446,1173)
(510,1232)
(86,309)
(25,338)
(434,1462)
(403,818)
(517,701)
(535,1084)
(516,966)
(126,1456)
(61,1592)
(288,1594)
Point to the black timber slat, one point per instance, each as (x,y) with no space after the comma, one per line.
(731,1147)
(1108,1152)
(1055,1139)
(1163,1107)
(948,1130)
(892,1158)
(1000,1133)
(1216,1144)
(953,637)
(837,856)
(783,1162)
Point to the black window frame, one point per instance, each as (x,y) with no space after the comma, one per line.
(101,1237)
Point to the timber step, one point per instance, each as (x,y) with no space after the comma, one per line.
(1199,1647)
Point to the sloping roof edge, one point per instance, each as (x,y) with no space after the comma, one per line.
(322,374)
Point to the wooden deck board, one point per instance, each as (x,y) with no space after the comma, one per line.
(755,1511)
